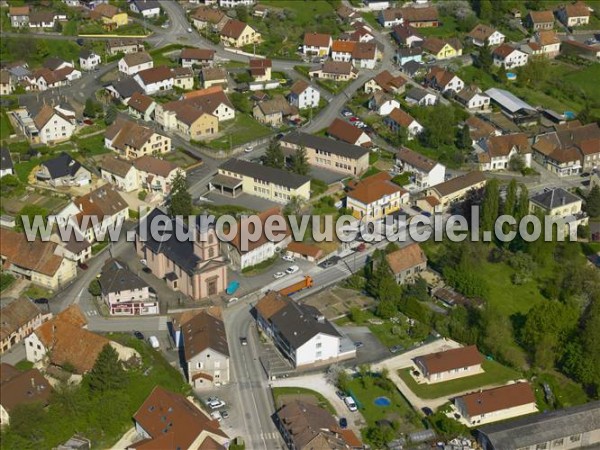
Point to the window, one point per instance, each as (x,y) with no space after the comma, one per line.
(541,446)
(575,438)
(558,443)
(199,365)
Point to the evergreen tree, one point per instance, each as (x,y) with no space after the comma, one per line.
(522,208)
(380,269)
(181,200)
(107,373)
(90,109)
(274,156)
(593,202)
(485,60)
(300,162)
(511,198)
(484,10)
(490,206)
(111,115)
(464,138)
(94,288)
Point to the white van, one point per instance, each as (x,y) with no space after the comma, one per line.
(153,341)
(292,269)
(349,401)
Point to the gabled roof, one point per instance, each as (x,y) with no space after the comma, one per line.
(554,198)
(172,422)
(206,100)
(317,39)
(435,45)
(479,128)
(503,51)
(140,102)
(337,67)
(322,143)
(577,9)
(234,28)
(374,188)
(105,10)
(265,173)
(213,73)
(299,87)
(145,5)
(388,82)
(508,100)
(126,87)
(441,76)
(427,14)
(404,31)
(406,258)
(155,74)
(155,166)
(541,16)
(401,117)
(61,166)
(391,14)
(6,162)
(547,37)
(202,54)
(125,133)
(364,50)
(15,315)
(498,146)
(343,46)
(344,131)
(248,225)
(23,387)
(135,59)
(482,32)
(117,277)
(277,105)
(468,93)
(18,11)
(41,17)
(498,399)
(456,358)
(201,332)
(270,304)
(206,14)
(102,202)
(414,159)
(418,94)
(459,183)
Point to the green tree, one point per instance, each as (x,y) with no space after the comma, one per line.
(242,13)
(484,59)
(31,212)
(522,208)
(490,206)
(111,115)
(484,10)
(516,163)
(274,156)
(511,198)
(241,102)
(181,200)
(300,162)
(108,373)
(43,50)
(92,108)
(592,202)
(464,140)
(343,381)
(94,288)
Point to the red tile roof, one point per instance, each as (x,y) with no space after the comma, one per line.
(406,258)
(402,118)
(344,131)
(37,256)
(374,188)
(456,358)
(498,399)
(317,39)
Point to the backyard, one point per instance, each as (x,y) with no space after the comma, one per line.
(6,128)
(282,395)
(181,158)
(495,373)
(238,131)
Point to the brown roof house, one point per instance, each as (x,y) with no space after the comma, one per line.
(37,261)
(141,106)
(385,81)
(132,140)
(20,388)
(574,14)
(316,44)
(302,95)
(194,268)
(335,70)
(201,335)
(63,341)
(306,426)
(425,171)
(212,18)
(345,131)
(540,20)
(308,252)
(238,34)
(421,17)
(375,197)
(449,364)
(456,189)
(274,111)
(196,57)
(19,318)
(443,80)
(260,69)
(19,16)
(169,421)
(407,263)
(492,405)
(496,152)
(398,119)
(214,76)
(485,34)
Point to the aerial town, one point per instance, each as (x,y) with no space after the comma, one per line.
(479,119)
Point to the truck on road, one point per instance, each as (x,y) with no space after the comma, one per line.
(293,288)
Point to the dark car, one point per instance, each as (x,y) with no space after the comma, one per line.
(79,42)
(358,344)
(83,266)
(396,348)
(279,136)
(585,175)
(139,335)
(427,411)
(147,270)
(244,341)
(41,301)
(328,263)
(340,394)
(343,423)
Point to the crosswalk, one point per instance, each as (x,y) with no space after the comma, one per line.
(162,323)
(91,313)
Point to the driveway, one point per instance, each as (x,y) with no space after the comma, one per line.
(372,349)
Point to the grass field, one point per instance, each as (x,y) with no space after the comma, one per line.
(181,158)
(93,145)
(238,131)
(447,29)
(495,373)
(281,393)
(6,129)
(587,80)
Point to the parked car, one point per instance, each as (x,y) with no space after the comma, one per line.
(41,301)
(147,270)
(232,287)
(396,348)
(244,340)
(279,136)
(215,416)
(83,266)
(139,335)
(427,411)
(351,404)
(278,275)
(143,262)
(340,394)
(358,344)
(354,119)
(189,30)
(224,414)
(248,149)
(216,404)
(327,263)
(288,258)
(153,341)
(346,113)
(343,423)
(292,269)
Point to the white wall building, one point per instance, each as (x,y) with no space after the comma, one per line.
(425,171)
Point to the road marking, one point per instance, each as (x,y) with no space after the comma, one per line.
(162,323)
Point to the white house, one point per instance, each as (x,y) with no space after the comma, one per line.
(382,103)
(389,18)
(376,5)
(398,119)
(52,125)
(342,50)
(89,60)
(147,8)
(573,14)
(304,96)
(443,80)
(484,34)
(449,364)
(509,57)
(495,152)
(318,44)
(364,55)
(473,99)
(421,97)
(120,173)
(301,332)
(132,63)
(425,171)
(155,80)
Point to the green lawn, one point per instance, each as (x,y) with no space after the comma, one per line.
(587,80)
(447,29)
(23,169)
(181,158)
(566,392)
(37,292)
(238,131)
(335,87)
(320,400)
(6,129)
(6,280)
(93,145)
(495,373)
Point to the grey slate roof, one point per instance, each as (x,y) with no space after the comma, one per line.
(126,87)
(326,144)
(554,198)
(508,100)
(117,277)
(417,94)
(298,323)
(541,428)
(5,159)
(265,173)
(412,67)
(61,166)
(146,4)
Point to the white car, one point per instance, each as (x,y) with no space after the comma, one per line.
(349,401)
(215,415)
(216,404)
(288,258)
(190,30)
(143,262)
(292,269)
(278,275)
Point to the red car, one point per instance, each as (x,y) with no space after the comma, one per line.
(354,119)
(361,247)
(88,122)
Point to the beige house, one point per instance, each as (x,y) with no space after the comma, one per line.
(211,18)
(574,14)
(6,83)
(183,78)
(407,263)
(329,154)
(375,197)
(195,269)
(37,261)
(202,336)
(19,318)
(260,69)
(335,70)
(449,364)
(238,176)
(385,81)
(238,34)
(214,76)
(156,175)
(456,189)
(559,204)
(492,405)
(194,123)
(124,46)
(132,140)
(273,112)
